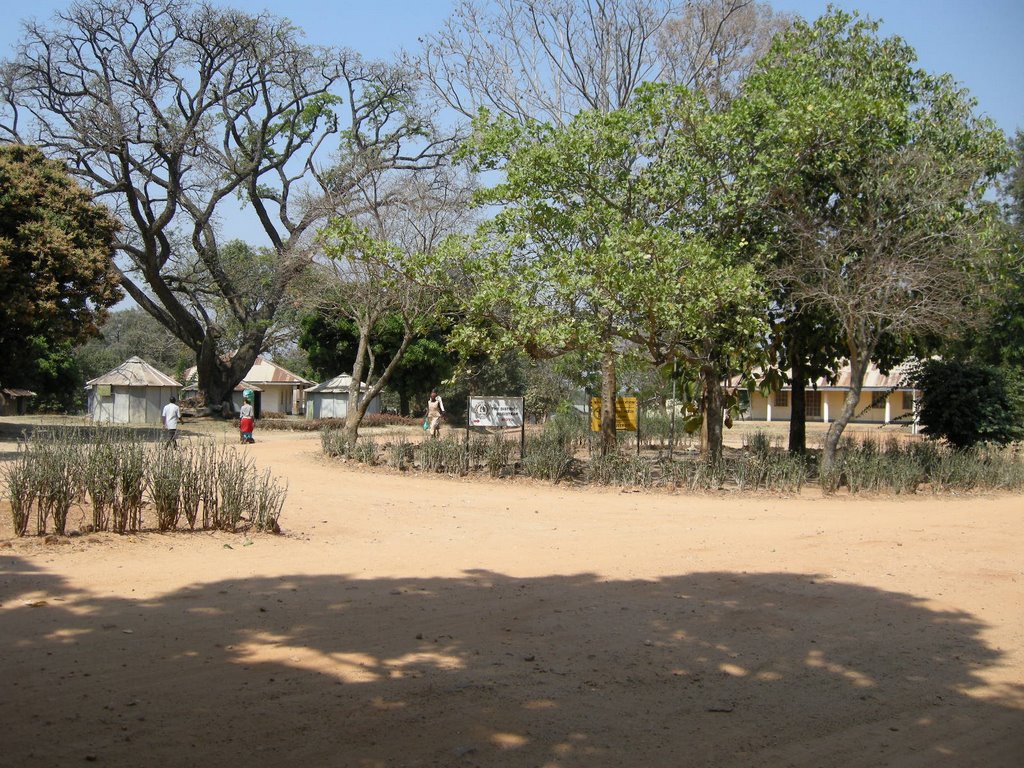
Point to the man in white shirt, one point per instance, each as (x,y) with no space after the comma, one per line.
(170,414)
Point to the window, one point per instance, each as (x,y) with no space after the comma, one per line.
(908,401)
(878,400)
(781,399)
(812,403)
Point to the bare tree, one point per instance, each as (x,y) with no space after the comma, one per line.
(549,59)
(375,269)
(173,112)
(713,45)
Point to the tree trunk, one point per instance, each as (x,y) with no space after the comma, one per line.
(219,376)
(714,413)
(798,402)
(353,414)
(609,389)
(359,401)
(858,367)
(212,376)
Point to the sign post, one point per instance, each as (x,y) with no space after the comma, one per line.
(627,416)
(499,413)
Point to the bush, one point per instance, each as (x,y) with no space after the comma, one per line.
(366,451)
(619,469)
(445,455)
(970,403)
(116,474)
(549,456)
(401,454)
(334,443)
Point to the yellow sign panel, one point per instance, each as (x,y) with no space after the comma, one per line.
(625,414)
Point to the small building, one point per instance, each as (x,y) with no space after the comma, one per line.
(133,393)
(329,400)
(275,389)
(279,390)
(14,402)
(884,399)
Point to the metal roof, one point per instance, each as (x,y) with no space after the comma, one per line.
(12,392)
(263,371)
(339,384)
(874,379)
(134,372)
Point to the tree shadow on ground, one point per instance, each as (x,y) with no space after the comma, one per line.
(702,669)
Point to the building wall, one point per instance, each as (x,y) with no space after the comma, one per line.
(273,398)
(333,405)
(130,405)
(870,407)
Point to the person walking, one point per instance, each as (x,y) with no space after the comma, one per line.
(247,421)
(170,415)
(435,412)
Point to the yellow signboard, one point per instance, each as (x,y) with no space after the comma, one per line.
(625,414)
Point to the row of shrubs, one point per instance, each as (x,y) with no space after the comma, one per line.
(269,420)
(115,477)
(862,465)
(897,466)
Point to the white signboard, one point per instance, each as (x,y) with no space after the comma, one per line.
(496,411)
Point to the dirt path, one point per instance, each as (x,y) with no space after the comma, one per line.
(423,621)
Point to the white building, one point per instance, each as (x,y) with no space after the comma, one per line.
(884,399)
(329,400)
(275,389)
(133,393)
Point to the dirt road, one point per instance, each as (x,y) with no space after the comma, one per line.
(423,621)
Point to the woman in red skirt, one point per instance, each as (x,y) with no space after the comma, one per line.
(247,421)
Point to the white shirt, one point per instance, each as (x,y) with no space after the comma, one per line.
(171,414)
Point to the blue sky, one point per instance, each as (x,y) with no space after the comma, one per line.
(977,41)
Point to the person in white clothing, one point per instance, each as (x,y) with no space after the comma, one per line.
(170,414)
(435,412)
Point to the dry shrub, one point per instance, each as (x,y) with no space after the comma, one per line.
(117,474)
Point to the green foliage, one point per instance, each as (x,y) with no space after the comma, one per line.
(900,467)
(332,343)
(603,236)
(871,176)
(548,457)
(366,451)
(57,276)
(132,332)
(334,442)
(970,403)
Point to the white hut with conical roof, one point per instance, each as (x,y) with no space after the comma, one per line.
(133,393)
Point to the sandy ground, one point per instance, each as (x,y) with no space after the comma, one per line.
(423,621)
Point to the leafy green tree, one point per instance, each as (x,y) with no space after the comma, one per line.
(999,338)
(379,276)
(175,112)
(127,333)
(602,241)
(970,403)
(55,375)
(57,277)
(875,173)
(333,342)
